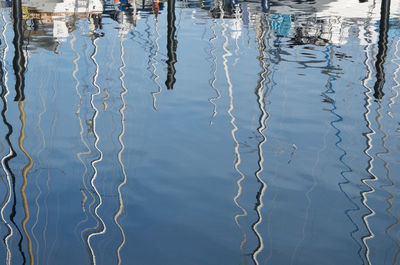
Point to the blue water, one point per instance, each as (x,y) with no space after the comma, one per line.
(196,133)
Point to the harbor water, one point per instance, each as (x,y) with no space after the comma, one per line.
(212,132)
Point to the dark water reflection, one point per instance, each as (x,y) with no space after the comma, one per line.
(199,132)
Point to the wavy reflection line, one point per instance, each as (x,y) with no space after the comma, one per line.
(172,44)
(88,152)
(368,135)
(392,185)
(19,57)
(7,169)
(121,111)
(92,193)
(25,171)
(155,63)
(46,198)
(100,158)
(8,175)
(387,152)
(78,111)
(37,177)
(4,94)
(233,132)
(329,53)
(395,60)
(262,125)
(214,70)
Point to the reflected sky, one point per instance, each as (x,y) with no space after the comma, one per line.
(199,132)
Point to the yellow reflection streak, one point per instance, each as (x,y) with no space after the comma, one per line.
(25,171)
(120,199)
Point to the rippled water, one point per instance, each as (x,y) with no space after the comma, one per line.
(200,132)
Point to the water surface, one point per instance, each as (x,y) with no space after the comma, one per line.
(199,132)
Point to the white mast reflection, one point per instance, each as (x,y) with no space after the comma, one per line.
(120,199)
(263,119)
(238,159)
(94,162)
(88,150)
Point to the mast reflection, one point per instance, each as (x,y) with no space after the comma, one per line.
(25,171)
(260,93)
(172,45)
(19,58)
(120,139)
(11,153)
(382,49)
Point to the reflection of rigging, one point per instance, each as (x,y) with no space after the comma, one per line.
(329,53)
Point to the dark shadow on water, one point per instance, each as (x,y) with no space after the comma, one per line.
(19,58)
(172,45)
(12,155)
(382,49)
